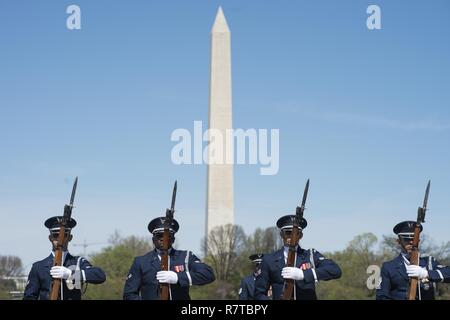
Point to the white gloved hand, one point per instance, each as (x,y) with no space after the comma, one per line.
(60,272)
(167,277)
(416,272)
(292,273)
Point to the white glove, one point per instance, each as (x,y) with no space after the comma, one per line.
(292,273)
(416,272)
(60,272)
(167,277)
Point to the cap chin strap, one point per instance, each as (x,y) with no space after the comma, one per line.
(406,234)
(56,230)
(157,230)
(290,227)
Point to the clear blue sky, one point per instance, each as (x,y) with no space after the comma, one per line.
(364,114)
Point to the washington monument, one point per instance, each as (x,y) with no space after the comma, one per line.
(219,202)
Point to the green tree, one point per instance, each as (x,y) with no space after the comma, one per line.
(260,241)
(116,260)
(230,259)
(264,241)
(6,286)
(10,266)
(224,246)
(354,261)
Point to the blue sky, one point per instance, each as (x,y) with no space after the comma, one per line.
(364,114)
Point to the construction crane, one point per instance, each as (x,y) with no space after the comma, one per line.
(87,244)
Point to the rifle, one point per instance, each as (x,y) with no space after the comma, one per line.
(414,256)
(62,237)
(164,287)
(295,237)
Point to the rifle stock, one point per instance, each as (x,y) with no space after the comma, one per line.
(62,238)
(414,255)
(414,260)
(164,288)
(289,283)
(288,287)
(56,286)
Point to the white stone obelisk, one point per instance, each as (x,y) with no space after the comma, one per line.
(219,202)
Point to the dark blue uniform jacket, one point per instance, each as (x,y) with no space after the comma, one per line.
(273,263)
(142,284)
(247,289)
(40,280)
(395,280)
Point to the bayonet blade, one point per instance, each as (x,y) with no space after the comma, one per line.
(174,196)
(422,210)
(74,190)
(425,200)
(299,210)
(305,194)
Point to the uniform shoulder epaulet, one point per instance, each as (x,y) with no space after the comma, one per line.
(312,251)
(185,252)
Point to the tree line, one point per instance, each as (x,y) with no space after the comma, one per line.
(227,249)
